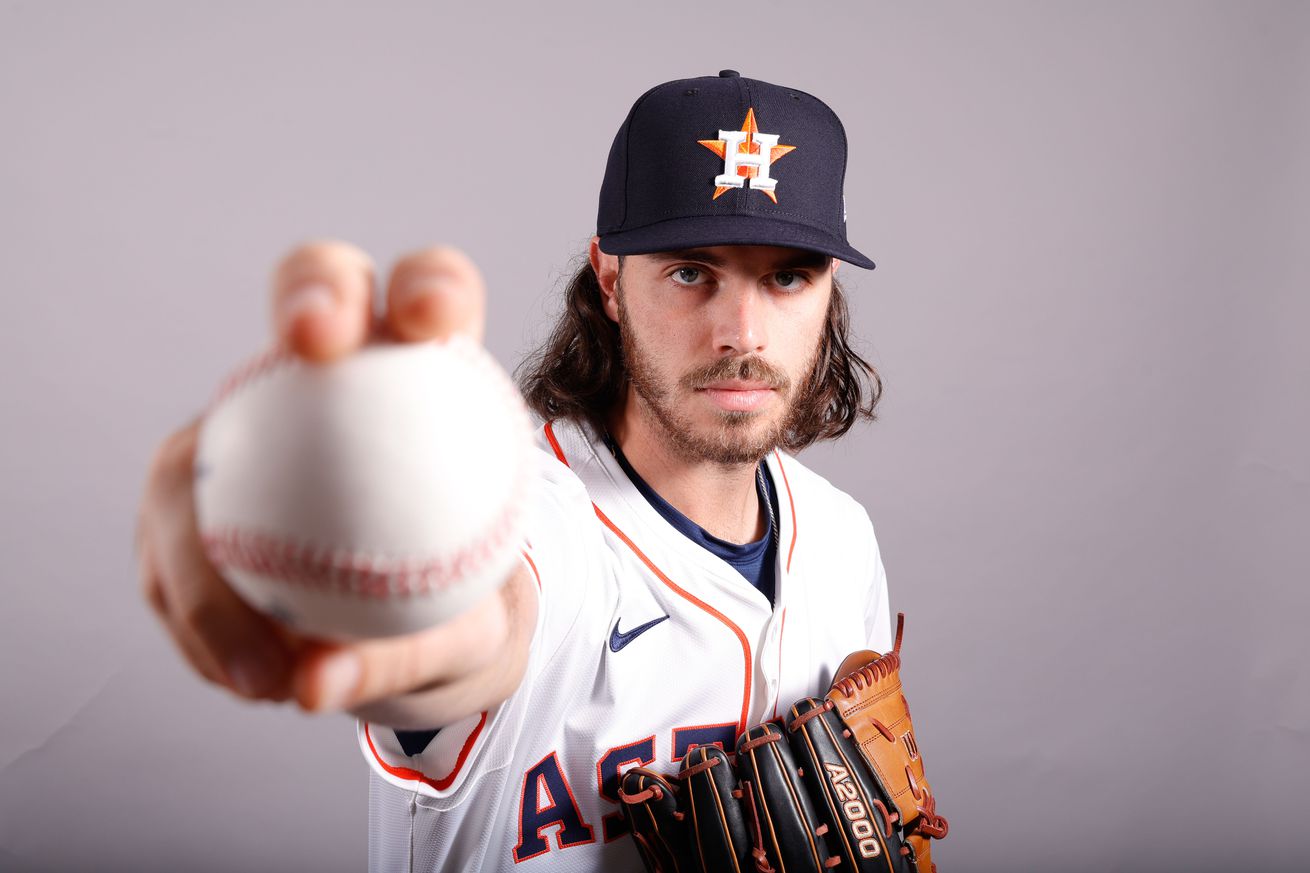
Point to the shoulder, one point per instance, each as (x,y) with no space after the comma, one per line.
(556,470)
(575,450)
(565,460)
(565,539)
(573,444)
(816,503)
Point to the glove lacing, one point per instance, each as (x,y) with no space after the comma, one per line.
(928,823)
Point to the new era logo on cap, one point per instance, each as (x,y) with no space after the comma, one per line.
(684,173)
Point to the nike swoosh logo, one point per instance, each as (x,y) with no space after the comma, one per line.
(619,640)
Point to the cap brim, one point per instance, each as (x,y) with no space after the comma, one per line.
(728,230)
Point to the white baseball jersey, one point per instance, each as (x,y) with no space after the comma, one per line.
(611,682)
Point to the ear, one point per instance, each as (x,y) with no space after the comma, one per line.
(607,272)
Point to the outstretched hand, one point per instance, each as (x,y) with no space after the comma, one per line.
(322,300)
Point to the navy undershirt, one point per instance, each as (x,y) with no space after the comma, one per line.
(756,561)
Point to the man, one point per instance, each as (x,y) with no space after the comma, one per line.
(685,577)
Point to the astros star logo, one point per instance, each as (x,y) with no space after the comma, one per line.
(747,154)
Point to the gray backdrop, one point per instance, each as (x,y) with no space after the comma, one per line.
(1090,479)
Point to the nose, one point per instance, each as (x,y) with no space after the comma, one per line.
(739,327)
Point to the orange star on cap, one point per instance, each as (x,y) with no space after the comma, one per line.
(747,147)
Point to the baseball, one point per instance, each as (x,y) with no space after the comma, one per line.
(373,496)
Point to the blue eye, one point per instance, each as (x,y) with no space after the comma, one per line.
(686,275)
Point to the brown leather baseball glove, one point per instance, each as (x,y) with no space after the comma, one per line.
(839,784)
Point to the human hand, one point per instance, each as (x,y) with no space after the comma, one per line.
(322,310)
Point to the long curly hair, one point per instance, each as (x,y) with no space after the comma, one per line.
(578,373)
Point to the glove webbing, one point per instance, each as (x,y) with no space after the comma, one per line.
(860,695)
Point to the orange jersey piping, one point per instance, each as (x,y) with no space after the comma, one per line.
(686,595)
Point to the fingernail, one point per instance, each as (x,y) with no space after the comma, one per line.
(338,677)
(422,285)
(311,297)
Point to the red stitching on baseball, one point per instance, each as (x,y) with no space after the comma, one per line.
(257,366)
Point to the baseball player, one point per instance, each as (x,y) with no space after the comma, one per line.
(685,576)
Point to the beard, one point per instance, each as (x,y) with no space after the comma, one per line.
(735,437)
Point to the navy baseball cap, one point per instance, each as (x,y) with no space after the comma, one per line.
(725,160)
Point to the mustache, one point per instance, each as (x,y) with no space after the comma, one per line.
(751,368)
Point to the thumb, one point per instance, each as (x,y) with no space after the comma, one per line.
(348,676)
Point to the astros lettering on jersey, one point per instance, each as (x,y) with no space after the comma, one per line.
(632,617)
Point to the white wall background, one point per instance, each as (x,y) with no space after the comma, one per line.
(1091,478)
